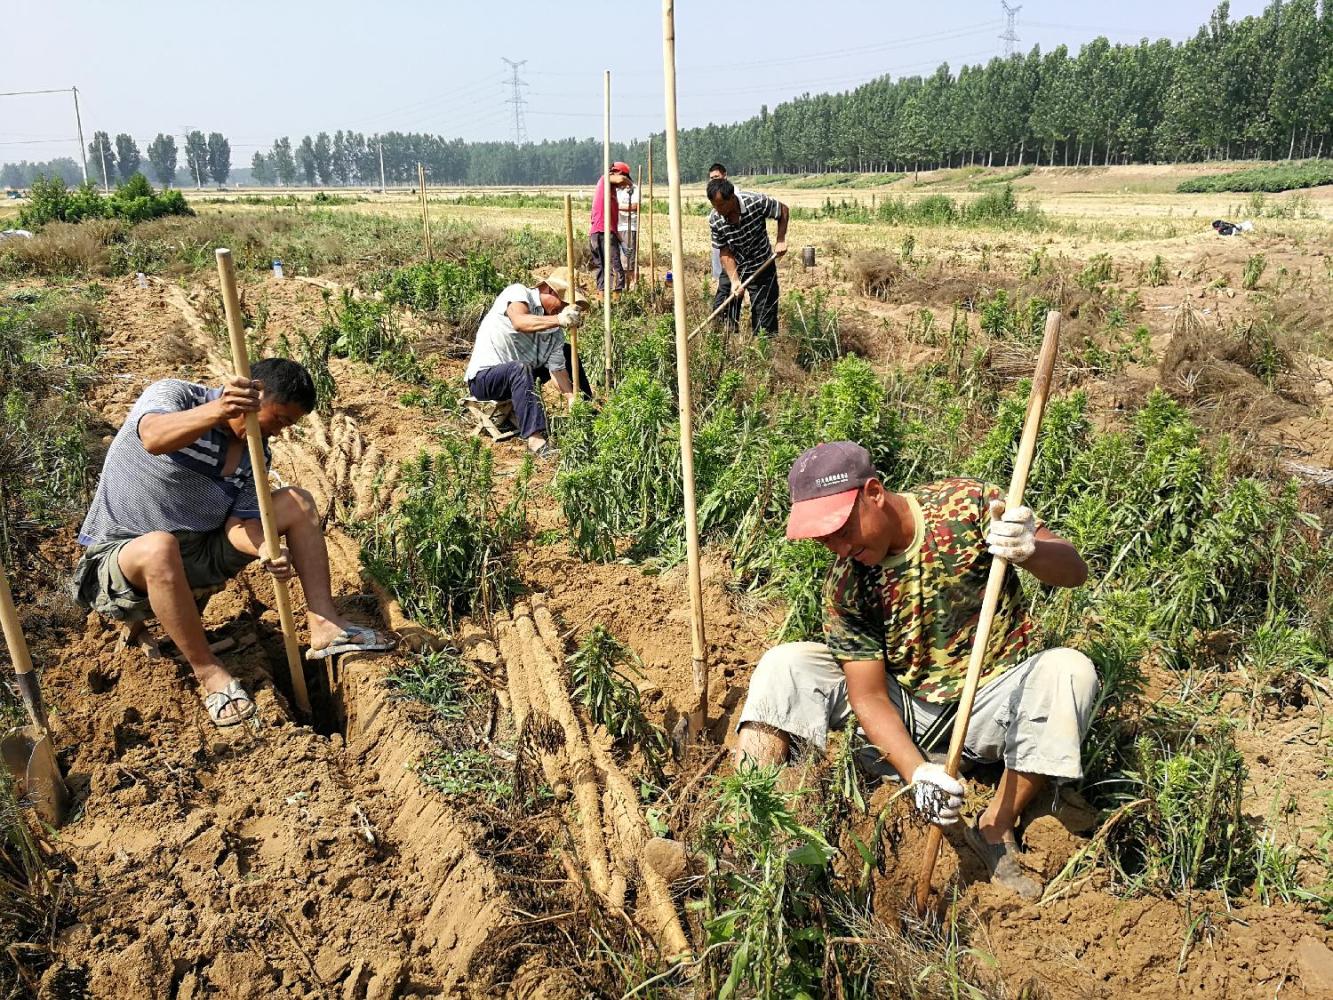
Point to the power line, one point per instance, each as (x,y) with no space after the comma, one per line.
(1010,36)
(517,100)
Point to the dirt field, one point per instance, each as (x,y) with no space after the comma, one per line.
(285,860)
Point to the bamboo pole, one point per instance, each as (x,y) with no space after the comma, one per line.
(573,291)
(425,211)
(698,654)
(652,247)
(259,469)
(636,230)
(1027,447)
(606,232)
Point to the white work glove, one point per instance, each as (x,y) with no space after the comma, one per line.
(938,796)
(1012,534)
(570,316)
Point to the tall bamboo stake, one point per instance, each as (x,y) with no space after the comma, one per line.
(231,304)
(635,230)
(1027,448)
(606,232)
(698,662)
(652,247)
(425,212)
(573,292)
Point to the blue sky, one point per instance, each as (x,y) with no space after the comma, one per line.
(255,70)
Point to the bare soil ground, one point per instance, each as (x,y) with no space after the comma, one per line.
(280,860)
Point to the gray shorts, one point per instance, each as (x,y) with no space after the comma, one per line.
(1033,716)
(99,584)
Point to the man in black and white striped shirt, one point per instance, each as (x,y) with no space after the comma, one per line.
(740,235)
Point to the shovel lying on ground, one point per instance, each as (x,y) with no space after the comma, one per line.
(27,751)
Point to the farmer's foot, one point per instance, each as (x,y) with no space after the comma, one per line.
(330,636)
(1001,859)
(226,701)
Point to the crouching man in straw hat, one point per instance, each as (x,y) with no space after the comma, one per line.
(900,613)
(175,517)
(521,344)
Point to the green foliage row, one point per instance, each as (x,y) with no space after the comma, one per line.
(1271,179)
(133,201)
(461,290)
(48,343)
(995,206)
(442,548)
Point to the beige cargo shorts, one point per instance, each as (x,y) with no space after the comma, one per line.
(1033,717)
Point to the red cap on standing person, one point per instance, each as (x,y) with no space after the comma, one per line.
(620,167)
(824,482)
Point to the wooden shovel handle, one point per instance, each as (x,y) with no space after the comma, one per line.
(734,295)
(1027,448)
(259,469)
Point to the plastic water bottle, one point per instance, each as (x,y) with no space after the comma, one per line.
(277,269)
(139,277)
(668,280)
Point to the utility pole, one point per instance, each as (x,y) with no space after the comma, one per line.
(1010,36)
(106,181)
(83,150)
(518,100)
(380,141)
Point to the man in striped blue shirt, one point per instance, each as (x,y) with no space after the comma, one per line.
(738,224)
(175,516)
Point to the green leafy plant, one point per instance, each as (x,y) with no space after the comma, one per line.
(1254,270)
(442,549)
(602,673)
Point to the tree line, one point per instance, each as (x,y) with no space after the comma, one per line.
(1259,87)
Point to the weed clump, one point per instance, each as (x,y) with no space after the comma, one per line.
(461,290)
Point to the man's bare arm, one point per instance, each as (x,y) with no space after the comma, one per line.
(729,266)
(868,691)
(780,245)
(163,433)
(525,321)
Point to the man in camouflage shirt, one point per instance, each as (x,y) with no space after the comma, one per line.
(900,613)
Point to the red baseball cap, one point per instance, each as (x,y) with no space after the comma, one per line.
(620,167)
(824,483)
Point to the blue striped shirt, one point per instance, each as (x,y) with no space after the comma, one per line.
(183,490)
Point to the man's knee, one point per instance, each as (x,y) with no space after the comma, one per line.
(297,503)
(156,552)
(781,666)
(1067,669)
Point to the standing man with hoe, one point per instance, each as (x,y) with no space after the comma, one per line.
(598,222)
(740,237)
(901,609)
(732,318)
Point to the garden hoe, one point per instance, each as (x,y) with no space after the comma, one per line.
(27,751)
(1027,448)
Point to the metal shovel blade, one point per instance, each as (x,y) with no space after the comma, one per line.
(28,754)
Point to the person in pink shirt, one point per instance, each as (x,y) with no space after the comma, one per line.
(619,177)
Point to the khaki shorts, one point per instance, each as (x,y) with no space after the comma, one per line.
(99,584)
(1033,716)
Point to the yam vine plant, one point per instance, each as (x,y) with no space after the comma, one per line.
(442,549)
(602,672)
(368,331)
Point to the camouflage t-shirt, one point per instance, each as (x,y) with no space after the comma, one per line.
(924,602)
